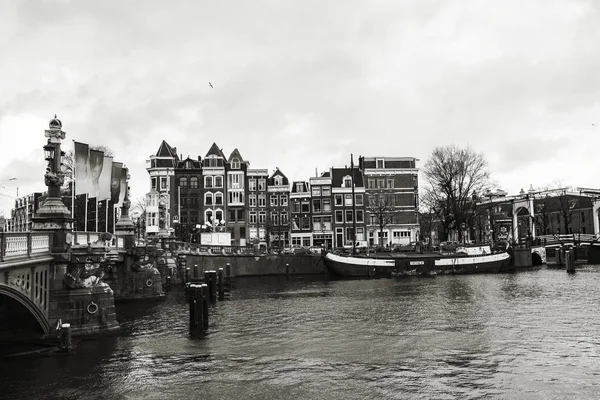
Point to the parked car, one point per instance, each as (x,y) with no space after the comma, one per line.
(301,250)
(287,250)
(315,249)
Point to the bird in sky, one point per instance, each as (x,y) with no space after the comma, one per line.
(210,84)
(593,124)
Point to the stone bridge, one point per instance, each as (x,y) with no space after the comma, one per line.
(25,263)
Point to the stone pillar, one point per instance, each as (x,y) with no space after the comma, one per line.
(595,208)
(532,216)
(53,216)
(124,226)
(515,224)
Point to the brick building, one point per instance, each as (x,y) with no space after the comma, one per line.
(348,211)
(300,212)
(322,212)
(392,187)
(213,192)
(278,218)
(236,169)
(160,167)
(257,205)
(187,198)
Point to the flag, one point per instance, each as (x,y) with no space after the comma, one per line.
(105,177)
(115,182)
(123,185)
(96,163)
(82,172)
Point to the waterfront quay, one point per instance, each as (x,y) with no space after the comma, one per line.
(527,335)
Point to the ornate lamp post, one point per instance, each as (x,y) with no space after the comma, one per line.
(53,216)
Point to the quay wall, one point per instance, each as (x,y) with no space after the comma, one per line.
(249,265)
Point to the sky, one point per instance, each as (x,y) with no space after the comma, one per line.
(301,85)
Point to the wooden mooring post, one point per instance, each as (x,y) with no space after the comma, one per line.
(221,286)
(65,344)
(210,278)
(570,261)
(198,302)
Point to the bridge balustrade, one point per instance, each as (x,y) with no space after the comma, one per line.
(23,244)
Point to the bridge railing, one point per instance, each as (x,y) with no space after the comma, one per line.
(83,238)
(569,238)
(23,244)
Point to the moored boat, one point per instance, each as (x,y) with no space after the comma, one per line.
(479,260)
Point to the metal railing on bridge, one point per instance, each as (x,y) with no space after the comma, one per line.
(568,239)
(23,244)
(211,249)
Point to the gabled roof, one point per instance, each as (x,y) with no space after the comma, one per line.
(236,153)
(214,149)
(304,187)
(278,172)
(166,151)
(338,175)
(195,164)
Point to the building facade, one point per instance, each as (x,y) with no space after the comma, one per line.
(300,212)
(214,190)
(186,199)
(349,211)
(322,212)
(236,169)
(25,209)
(257,206)
(392,187)
(278,217)
(160,167)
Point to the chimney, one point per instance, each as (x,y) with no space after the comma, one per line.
(316,173)
(199,158)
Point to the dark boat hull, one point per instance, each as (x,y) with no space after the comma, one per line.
(360,267)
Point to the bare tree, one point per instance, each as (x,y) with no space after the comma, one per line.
(381,206)
(454,175)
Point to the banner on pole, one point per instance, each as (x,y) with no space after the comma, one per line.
(82,172)
(105,177)
(115,182)
(96,163)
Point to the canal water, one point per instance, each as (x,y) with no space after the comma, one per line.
(530,335)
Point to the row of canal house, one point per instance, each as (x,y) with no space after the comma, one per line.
(221,193)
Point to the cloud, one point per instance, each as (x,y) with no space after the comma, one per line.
(369,78)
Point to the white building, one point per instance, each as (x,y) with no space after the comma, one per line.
(160,167)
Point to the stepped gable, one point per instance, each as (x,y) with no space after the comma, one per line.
(214,149)
(338,175)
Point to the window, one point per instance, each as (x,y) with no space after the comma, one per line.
(326,205)
(373,219)
(360,217)
(371,183)
(262,217)
(240,215)
(347,182)
(296,242)
(390,183)
(348,199)
(253,232)
(380,183)
(327,223)
(278,180)
(262,200)
(194,182)
(284,218)
(219,215)
(380,164)
(231,215)
(236,197)
(360,233)
(305,223)
(317,224)
(316,205)
(252,185)
(163,183)
(183,182)
(236,181)
(252,219)
(349,216)
(349,235)
(153,183)
(208,214)
(218,181)
(262,184)
(296,223)
(316,190)
(339,216)
(208,199)
(338,199)
(582,217)
(284,200)
(252,200)
(305,207)
(274,200)
(242,232)
(274,218)
(359,199)
(208,182)
(299,187)
(219,199)
(326,191)
(261,233)
(235,163)
(296,206)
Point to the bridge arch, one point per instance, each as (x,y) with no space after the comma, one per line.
(29,305)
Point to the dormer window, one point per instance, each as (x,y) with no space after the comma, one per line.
(380,163)
(299,187)
(235,163)
(347,181)
(278,180)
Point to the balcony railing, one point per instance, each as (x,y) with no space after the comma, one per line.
(23,244)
